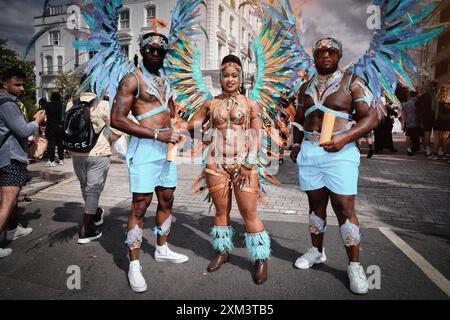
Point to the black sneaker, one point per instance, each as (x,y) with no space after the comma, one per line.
(89,236)
(98,218)
(370,154)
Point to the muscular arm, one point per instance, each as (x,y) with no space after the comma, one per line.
(123,103)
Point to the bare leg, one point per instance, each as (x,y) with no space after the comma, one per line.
(436,142)
(164,211)
(344,207)
(7,202)
(257,239)
(222,234)
(318,202)
(409,146)
(248,206)
(136,217)
(221,198)
(444,139)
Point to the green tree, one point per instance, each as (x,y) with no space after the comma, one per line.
(9,59)
(67,84)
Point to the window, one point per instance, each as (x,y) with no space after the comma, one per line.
(60,64)
(124,20)
(221,16)
(233,4)
(49,64)
(126,50)
(151,14)
(55,10)
(231,25)
(54,38)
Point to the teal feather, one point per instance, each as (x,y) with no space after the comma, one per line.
(420,39)
(258,245)
(222,238)
(416,18)
(401,30)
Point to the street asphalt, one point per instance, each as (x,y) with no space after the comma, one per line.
(403,207)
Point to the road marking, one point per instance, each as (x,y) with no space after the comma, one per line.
(431,272)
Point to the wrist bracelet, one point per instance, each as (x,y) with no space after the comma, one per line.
(248,166)
(155,134)
(296,145)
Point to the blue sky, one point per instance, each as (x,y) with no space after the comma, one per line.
(344,19)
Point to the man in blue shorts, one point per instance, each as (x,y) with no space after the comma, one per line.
(329,171)
(146,93)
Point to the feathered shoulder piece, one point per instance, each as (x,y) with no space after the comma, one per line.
(403,26)
(182,63)
(276,51)
(109,64)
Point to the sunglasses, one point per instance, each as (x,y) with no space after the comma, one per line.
(322,53)
(161,51)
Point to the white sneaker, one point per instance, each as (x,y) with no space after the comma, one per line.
(5,252)
(164,254)
(17,233)
(61,163)
(310,258)
(137,281)
(358,279)
(50,164)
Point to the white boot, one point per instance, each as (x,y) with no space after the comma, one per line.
(358,279)
(310,258)
(137,281)
(164,254)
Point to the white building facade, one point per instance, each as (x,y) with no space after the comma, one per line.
(54,53)
(230,30)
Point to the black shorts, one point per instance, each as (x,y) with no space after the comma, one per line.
(14,175)
(413,132)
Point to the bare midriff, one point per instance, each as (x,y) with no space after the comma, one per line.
(230,129)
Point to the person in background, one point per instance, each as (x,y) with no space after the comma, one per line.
(441,128)
(411,124)
(55,129)
(425,106)
(14,133)
(91,168)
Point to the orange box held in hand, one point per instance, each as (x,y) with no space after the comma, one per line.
(327,127)
(172,152)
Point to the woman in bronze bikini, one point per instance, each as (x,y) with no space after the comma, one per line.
(231,165)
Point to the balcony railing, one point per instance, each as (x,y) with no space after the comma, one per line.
(51,72)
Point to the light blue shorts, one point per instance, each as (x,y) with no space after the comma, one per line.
(337,171)
(148,167)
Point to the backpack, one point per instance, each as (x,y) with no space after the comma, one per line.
(79,134)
